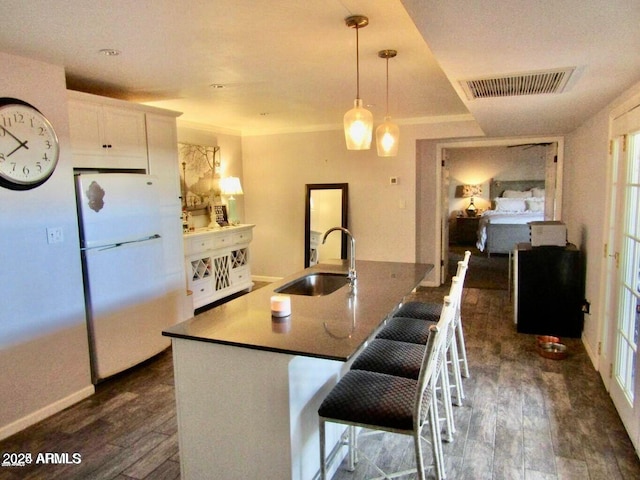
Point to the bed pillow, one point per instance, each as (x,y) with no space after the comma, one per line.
(537,192)
(534,204)
(516,194)
(511,205)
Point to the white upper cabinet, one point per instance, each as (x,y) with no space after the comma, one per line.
(106,136)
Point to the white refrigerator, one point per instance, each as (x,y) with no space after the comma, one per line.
(122,261)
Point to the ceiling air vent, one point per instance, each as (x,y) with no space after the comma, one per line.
(531,83)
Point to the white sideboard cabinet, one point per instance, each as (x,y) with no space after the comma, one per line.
(217,263)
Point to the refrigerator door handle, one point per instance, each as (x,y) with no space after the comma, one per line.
(120,244)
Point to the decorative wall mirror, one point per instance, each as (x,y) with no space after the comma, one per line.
(326,206)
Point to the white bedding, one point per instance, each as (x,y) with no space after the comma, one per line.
(493,216)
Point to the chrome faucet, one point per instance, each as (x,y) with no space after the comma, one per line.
(352,253)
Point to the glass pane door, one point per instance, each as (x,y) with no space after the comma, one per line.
(624,385)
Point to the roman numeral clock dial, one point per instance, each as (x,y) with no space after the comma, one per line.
(29,147)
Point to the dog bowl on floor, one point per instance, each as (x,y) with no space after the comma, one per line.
(547,339)
(552,350)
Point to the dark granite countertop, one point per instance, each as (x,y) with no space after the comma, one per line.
(332,326)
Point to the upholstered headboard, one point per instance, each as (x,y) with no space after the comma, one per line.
(497,187)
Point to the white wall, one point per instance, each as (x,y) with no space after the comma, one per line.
(44,355)
(585,199)
(584,209)
(382,217)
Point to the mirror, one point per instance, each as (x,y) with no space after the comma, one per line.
(326,206)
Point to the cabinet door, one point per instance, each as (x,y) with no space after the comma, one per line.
(124,133)
(221,272)
(107,137)
(162,145)
(85,128)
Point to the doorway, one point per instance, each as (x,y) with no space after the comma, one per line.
(551,166)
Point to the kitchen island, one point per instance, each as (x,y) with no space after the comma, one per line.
(248,385)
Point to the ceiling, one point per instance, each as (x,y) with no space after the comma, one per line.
(290,66)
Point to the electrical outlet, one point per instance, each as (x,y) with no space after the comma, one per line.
(55,235)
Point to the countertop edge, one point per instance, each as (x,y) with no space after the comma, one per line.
(259,347)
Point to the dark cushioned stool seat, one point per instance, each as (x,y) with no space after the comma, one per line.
(424,310)
(373,399)
(411,330)
(391,357)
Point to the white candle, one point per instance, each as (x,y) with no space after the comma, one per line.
(280,305)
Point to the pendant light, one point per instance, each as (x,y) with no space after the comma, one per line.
(358,122)
(387,134)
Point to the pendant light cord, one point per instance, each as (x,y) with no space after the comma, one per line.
(357,64)
(387,86)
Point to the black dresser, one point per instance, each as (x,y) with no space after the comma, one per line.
(548,290)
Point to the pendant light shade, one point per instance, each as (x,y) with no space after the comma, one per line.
(358,126)
(387,134)
(387,138)
(358,122)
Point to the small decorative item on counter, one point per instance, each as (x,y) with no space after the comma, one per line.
(551,347)
(190,222)
(185,221)
(280,305)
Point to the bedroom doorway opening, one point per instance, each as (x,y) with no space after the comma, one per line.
(475,163)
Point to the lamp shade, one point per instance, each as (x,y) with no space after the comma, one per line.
(387,138)
(358,127)
(231,186)
(471,190)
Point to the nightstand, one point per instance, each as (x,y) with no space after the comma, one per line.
(466,230)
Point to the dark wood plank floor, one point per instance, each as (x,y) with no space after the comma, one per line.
(525,417)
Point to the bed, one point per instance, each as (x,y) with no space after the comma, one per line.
(515,203)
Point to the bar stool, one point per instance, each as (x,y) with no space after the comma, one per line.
(416,330)
(390,403)
(404,359)
(431,311)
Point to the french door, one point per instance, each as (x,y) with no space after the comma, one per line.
(623,251)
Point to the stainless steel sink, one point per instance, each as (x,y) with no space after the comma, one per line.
(315,284)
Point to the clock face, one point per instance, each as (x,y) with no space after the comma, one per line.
(29,147)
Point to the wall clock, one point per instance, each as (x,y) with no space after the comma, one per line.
(29,147)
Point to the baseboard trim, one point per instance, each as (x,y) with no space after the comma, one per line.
(45,412)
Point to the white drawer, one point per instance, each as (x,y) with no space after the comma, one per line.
(240,275)
(242,237)
(202,244)
(202,289)
(220,241)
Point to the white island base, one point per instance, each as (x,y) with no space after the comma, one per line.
(249,414)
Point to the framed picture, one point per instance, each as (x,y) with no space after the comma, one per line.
(199,175)
(220,212)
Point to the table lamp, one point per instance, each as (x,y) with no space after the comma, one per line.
(470,191)
(231,186)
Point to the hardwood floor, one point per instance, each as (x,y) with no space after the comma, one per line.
(524,417)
